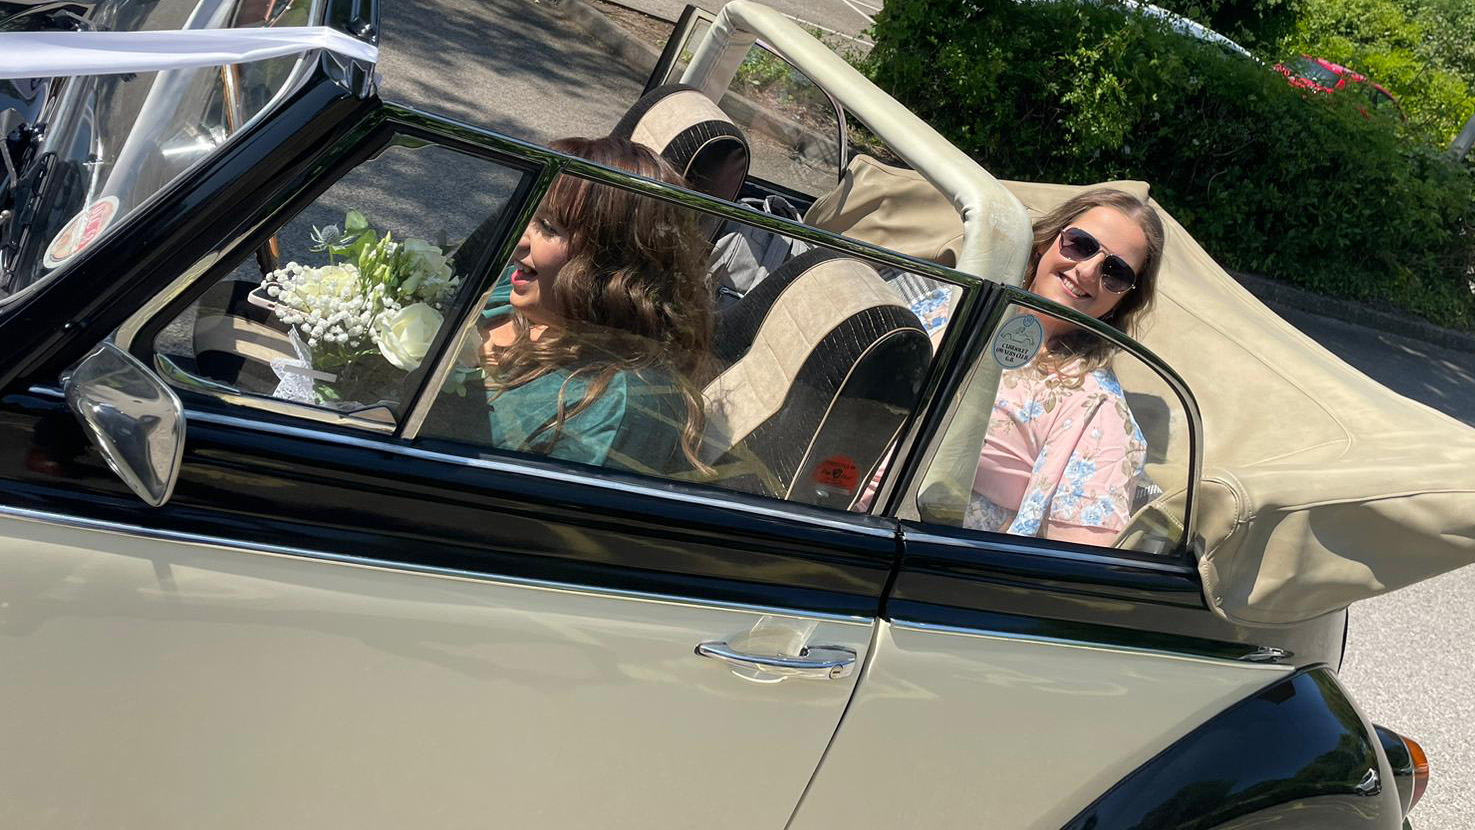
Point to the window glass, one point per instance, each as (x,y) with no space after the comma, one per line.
(1060,434)
(340,310)
(605,342)
(119,139)
(792,126)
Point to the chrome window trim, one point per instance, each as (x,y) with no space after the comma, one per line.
(437,126)
(985,634)
(1175,381)
(430,389)
(894,497)
(459,575)
(134,324)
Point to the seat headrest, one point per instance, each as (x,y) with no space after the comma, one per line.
(693,134)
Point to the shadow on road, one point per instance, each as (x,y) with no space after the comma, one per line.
(510,65)
(1441,378)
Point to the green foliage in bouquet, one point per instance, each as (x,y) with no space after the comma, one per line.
(370,314)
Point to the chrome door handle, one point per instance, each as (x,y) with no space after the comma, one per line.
(813,663)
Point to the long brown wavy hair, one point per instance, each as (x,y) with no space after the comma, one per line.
(1083,350)
(632,296)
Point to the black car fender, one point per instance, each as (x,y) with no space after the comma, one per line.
(1297,754)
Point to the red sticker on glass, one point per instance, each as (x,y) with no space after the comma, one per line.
(80,231)
(837,473)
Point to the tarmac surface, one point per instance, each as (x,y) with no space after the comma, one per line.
(521,67)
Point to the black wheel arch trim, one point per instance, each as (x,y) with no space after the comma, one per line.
(1296,754)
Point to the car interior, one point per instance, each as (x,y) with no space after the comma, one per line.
(816,366)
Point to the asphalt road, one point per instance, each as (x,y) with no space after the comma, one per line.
(520,68)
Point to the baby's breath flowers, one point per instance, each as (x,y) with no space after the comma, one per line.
(377,301)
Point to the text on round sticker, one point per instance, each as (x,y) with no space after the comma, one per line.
(1017,341)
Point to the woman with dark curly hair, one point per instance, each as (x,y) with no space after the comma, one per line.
(593,342)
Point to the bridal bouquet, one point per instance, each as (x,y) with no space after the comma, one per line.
(365,319)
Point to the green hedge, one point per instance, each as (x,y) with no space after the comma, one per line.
(1307,188)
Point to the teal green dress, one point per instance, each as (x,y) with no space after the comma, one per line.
(635,424)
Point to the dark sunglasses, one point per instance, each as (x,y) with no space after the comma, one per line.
(1116,275)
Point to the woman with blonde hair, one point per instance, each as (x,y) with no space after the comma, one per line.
(1063,456)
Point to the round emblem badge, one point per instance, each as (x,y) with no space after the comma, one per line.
(1017,341)
(80,231)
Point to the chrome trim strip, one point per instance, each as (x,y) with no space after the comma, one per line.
(443,127)
(931,628)
(282,551)
(155,304)
(1180,387)
(430,391)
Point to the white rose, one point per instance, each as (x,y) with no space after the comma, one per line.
(427,261)
(404,336)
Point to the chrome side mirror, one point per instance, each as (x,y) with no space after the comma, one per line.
(133,419)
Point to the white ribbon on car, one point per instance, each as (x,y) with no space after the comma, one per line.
(57,54)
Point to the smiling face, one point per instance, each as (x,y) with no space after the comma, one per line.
(541,253)
(1078,284)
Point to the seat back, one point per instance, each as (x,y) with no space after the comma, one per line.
(692,133)
(823,361)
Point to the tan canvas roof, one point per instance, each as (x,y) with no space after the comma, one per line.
(1321,486)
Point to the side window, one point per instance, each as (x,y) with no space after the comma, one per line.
(792,126)
(338,313)
(1060,434)
(603,343)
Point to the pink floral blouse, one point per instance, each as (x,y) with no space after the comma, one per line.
(1062,460)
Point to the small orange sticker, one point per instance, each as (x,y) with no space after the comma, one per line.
(838,472)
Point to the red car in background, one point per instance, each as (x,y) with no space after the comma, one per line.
(1320,75)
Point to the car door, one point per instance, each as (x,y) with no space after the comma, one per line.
(1015,679)
(335,621)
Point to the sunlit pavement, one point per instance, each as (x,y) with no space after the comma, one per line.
(520,68)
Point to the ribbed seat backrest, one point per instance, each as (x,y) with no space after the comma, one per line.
(692,133)
(821,361)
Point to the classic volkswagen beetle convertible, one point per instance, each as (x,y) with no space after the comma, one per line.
(253,578)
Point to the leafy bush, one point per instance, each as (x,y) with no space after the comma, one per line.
(1416,57)
(1305,187)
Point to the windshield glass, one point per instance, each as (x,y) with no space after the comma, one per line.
(115,140)
(1314,71)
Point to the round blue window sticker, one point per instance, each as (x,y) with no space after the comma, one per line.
(1017,341)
